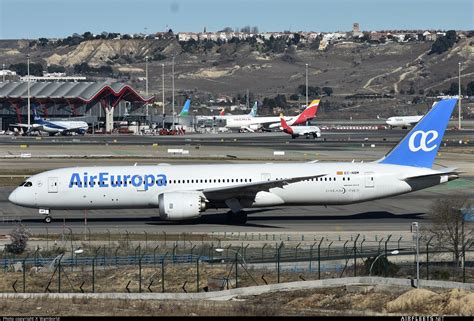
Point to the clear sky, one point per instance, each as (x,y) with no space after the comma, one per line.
(59,18)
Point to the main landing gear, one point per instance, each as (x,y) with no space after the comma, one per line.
(236,218)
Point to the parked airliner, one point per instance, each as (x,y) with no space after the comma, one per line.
(251,124)
(227,118)
(181,192)
(296,131)
(403,121)
(53,127)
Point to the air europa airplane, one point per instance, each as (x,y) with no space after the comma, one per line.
(181,192)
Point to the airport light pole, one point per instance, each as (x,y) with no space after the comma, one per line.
(394,252)
(163,90)
(28,86)
(3,72)
(146,83)
(459,100)
(306,85)
(415,228)
(172,99)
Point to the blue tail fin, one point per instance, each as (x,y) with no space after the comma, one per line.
(35,113)
(420,146)
(185,110)
(253,112)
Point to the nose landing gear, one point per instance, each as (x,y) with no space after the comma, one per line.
(47,218)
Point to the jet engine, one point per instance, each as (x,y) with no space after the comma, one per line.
(175,206)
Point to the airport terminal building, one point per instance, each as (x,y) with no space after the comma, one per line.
(94,101)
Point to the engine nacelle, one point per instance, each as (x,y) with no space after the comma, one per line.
(175,206)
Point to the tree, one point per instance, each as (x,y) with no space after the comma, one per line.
(313,92)
(87,35)
(21,69)
(56,68)
(446,227)
(454,89)
(381,267)
(328,91)
(19,237)
(470,89)
(280,101)
(296,38)
(443,43)
(43,41)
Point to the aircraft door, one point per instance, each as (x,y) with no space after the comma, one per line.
(369,179)
(52,184)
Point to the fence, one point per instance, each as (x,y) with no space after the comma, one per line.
(189,262)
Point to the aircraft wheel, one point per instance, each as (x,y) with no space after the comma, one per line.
(48,219)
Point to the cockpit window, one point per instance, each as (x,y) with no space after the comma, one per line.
(23,183)
(28,184)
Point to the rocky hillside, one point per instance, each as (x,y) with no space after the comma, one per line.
(399,69)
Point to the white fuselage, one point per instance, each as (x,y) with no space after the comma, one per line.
(305,130)
(58,126)
(140,186)
(246,121)
(403,121)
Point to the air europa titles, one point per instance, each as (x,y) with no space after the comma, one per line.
(104,179)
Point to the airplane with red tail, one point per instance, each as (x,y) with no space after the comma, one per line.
(296,131)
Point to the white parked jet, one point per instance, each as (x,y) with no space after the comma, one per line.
(403,121)
(296,131)
(180,192)
(251,124)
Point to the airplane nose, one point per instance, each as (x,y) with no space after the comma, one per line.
(14,197)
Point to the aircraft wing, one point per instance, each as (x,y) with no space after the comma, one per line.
(249,190)
(21,125)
